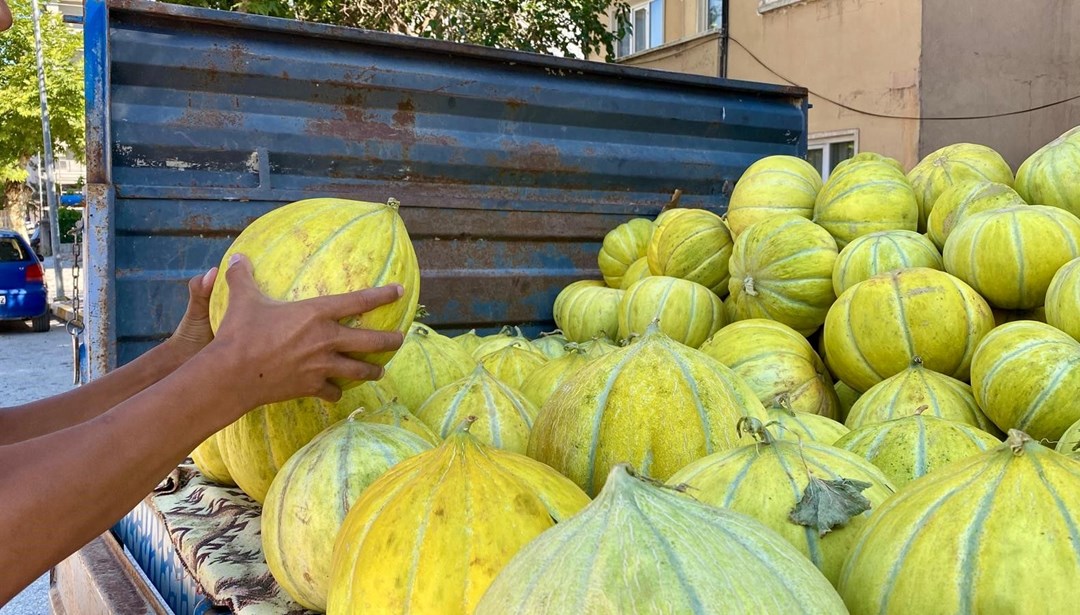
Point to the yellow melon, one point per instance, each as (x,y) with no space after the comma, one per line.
(964,199)
(587,309)
(1063,299)
(688,312)
(773,185)
(951,165)
(635,272)
(877,327)
(1010,255)
(882,252)
(695,246)
(866,197)
(781,269)
(1051,175)
(622,246)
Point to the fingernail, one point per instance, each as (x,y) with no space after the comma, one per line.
(400,291)
(206,276)
(235,258)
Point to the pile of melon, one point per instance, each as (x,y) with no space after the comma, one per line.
(857,395)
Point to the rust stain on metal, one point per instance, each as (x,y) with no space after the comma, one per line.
(406,115)
(209,118)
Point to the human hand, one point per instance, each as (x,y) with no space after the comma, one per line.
(194,332)
(283,350)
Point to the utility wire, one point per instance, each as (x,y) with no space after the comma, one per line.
(905,117)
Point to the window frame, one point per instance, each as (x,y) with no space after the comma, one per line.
(645,5)
(822,141)
(765,6)
(703,16)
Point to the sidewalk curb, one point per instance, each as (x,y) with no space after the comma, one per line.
(63,311)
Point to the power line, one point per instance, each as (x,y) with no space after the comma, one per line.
(920,118)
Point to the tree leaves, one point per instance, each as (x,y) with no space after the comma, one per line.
(559,27)
(826,504)
(20,108)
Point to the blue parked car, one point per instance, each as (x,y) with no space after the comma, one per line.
(22,283)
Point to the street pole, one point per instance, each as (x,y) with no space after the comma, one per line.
(50,190)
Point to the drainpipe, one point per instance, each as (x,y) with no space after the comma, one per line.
(724,29)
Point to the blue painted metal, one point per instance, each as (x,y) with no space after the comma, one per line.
(510,167)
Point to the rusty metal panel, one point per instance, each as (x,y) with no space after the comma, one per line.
(510,167)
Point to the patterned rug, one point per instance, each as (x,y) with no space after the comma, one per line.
(216,532)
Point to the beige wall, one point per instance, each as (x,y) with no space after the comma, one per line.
(861,53)
(1027,51)
(698,56)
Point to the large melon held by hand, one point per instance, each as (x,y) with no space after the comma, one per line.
(329,246)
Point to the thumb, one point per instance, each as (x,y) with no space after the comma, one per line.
(240,275)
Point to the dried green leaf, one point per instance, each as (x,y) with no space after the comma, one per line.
(826,504)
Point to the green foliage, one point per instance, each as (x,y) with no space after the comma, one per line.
(20,106)
(66,219)
(541,26)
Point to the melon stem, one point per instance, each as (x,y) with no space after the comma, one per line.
(748,286)
(1016,441)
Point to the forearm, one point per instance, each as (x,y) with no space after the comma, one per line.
(62,489)
(90,400)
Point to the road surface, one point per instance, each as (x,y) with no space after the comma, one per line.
(32,366)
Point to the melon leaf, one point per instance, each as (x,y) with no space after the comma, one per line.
(826,504)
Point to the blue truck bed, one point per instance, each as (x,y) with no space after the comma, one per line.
(510,167)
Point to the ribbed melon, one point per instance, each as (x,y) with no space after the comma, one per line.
(866,197)
(504,415)
(766,480)
(952,165)
(635,272)
(993,533)
(396,414)
(469,340)
(1025,375)
(847,396)
(640,548)
(1010,255)
(963,200)
(586,309)
(207,458)
(655,403)
(507,336)
(777,362)
(695,246)
(877,327)
(787,424)
(882,252)
(916,386)
(622,246)
(773,185)
(513,364)
(328,246)
(1063,299)
(310,497)
(255,446)
(551,343)
(781,269)
(1051,174)
(431,534)
(863,156)
(426,361)
(688,312)
(1069,442)
(550,376)
(911,446)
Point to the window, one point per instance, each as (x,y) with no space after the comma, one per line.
(11,250)
(712,14)
(826,150)
(646,29)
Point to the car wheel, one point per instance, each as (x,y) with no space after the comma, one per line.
(42,323)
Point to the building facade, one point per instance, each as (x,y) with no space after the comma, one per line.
(897,77)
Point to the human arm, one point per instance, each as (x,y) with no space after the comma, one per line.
(98,396)
(5,16)
(62,489)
